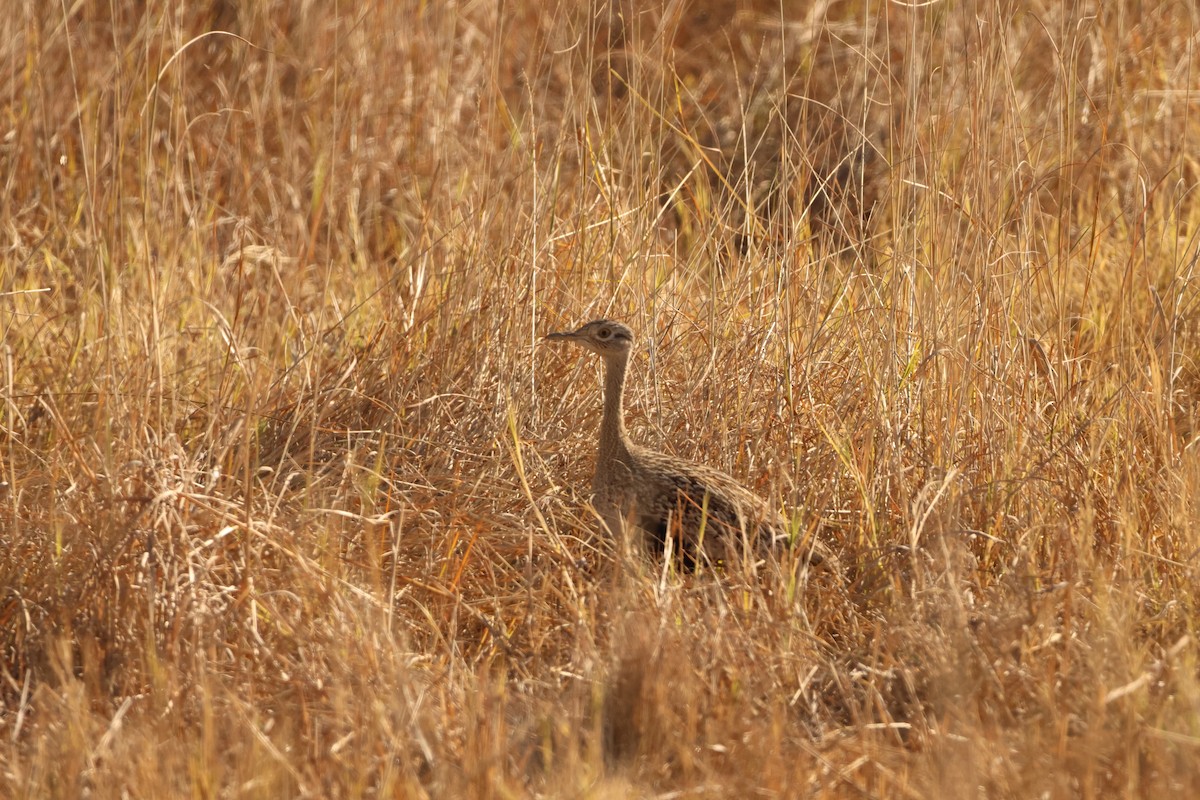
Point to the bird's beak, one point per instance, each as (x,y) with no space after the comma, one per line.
(562,336)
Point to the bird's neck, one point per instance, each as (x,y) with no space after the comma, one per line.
(614,441)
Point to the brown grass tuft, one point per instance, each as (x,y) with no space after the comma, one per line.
(292,503)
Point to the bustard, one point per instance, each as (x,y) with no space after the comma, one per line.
(699,510)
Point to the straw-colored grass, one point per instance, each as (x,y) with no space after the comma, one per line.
(295,505)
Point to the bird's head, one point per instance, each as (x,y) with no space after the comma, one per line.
(602,336)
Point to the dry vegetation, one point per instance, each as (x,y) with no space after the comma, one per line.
(294,505)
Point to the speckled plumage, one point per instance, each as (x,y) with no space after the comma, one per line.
(696,508)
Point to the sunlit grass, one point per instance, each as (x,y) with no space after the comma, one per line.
(294,504)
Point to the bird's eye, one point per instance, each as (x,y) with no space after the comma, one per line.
(603,333)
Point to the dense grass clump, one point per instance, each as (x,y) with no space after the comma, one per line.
(293,504)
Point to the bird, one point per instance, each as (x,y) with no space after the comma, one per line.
(701,513)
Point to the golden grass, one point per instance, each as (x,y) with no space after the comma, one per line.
(295,506)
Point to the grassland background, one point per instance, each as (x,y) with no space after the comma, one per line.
(293,502)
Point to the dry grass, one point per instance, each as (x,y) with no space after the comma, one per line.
(294,505)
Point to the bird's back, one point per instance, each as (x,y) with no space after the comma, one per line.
(697,509)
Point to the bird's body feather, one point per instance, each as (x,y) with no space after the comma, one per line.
(686,506)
